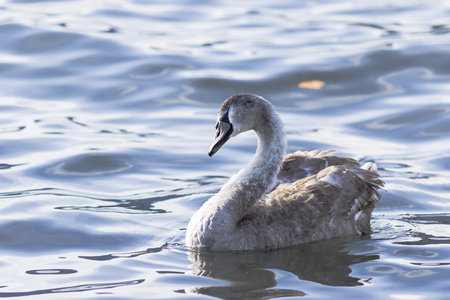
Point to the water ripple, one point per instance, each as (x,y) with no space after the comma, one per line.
(108,109)
(51,272)
(71,289)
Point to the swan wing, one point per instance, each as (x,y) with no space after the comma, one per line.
(337,201)
(302,164)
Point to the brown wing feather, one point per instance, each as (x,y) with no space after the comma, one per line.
(302,164)
(320,206)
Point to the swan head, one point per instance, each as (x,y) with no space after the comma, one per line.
(239,113)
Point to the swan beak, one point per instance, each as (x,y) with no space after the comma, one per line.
(223,134)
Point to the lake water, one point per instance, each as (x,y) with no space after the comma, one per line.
(107,110)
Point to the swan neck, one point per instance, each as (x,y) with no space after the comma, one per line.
(253,182)
(220,215)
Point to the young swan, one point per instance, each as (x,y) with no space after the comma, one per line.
(278,201)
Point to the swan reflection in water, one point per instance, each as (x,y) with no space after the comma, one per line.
(253,274)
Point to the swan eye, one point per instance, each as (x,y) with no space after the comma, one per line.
(224,118)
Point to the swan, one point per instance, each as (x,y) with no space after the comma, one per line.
(278,201)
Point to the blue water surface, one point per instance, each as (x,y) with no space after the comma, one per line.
(107,110)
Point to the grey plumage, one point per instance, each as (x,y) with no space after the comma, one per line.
(276,200)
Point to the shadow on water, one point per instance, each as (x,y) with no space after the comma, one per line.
(253,275)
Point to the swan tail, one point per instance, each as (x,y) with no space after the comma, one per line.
(366,202)
(370,167)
